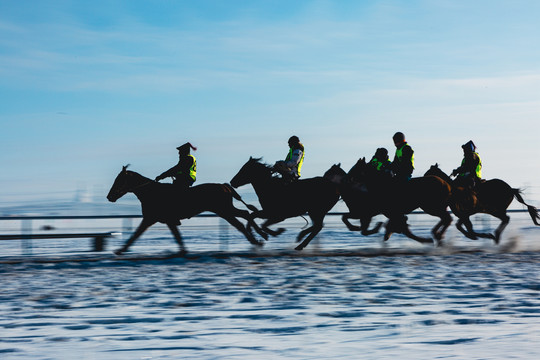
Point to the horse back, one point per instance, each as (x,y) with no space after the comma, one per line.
(495,194)
(307,195)
(428,193)
(173,204)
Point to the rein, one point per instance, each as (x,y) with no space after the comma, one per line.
(141,185)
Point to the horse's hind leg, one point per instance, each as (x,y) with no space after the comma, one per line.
(469,231)
(312,231)
(178,238)
(504,221)
(270,231)
(238,225)
(145,224)
(250,221)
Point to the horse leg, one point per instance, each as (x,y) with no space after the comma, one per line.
(237,224)
(345,218)
(178,238)
(250,220)
(469,232)
(313,231)
(145,224)
(401,226)
(441,227)
(364,224)
(505,219)
(270,231)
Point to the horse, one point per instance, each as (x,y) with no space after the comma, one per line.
(281,200)
(490,197)
(166,204)
(368,193)
(355,196)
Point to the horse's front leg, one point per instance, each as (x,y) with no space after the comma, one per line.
(441,227)
(178,238)
(400,226)
(345,218)
(364,225)
(145,224)
(312,231)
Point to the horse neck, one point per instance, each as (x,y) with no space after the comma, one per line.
(445,177)
(264,184)
(140,185)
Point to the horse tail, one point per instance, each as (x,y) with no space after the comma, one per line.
(238,197)
(533,212)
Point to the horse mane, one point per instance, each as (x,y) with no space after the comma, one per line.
(268,167)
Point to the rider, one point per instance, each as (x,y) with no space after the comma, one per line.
(291,166)
(403,164)
(380,161)
(184,173)
(470,171)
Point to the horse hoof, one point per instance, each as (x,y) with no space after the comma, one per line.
(118,252)
(298,248)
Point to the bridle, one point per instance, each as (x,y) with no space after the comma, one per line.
(124,191)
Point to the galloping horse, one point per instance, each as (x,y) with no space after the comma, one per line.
(359,201)
(490,197)
(280,200)
(368,193)
(165,204)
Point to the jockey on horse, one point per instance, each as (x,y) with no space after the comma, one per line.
(291,166)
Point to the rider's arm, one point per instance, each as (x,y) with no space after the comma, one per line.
(171,172)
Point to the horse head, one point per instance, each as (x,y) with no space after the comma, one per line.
(252,170)
(435,170)
(359,171)
(125,182)
(335,174)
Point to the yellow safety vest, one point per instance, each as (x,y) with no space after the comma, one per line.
(399,154)
(192,169)
(478,170)
(289,157)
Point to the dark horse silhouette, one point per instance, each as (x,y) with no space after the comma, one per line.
(490,197)
(280,200)
(368,193)
(165,204)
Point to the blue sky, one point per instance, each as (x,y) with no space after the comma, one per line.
(87,87)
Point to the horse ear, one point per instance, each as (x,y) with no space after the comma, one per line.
(124,168)
(339,164)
